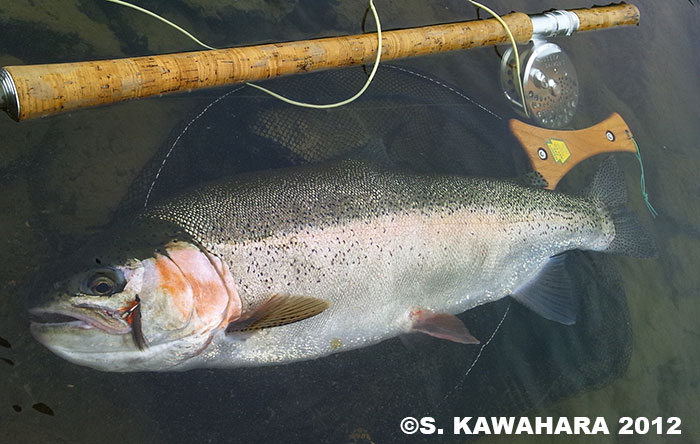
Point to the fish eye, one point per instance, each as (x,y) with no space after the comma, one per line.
(102,285)
(104,282)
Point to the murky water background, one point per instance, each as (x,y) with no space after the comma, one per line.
(62,176)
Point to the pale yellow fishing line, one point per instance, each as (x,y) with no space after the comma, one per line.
(374,68)
(265,90)
(515,50)
(166,21)
(359,93)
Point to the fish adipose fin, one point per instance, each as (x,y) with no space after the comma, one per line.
(630,238)
(278,310)
(550,292)
(441,325)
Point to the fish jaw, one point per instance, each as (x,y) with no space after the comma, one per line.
(116,353)
(101,338)
(85,332)
(74,314)
(81,317)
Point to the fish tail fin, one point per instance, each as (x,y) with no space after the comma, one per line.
(630,238)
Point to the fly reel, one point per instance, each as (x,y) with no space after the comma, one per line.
(549,80)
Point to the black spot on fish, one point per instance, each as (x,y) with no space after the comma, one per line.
(5,343)
(43,408)
(10,362)
(17,408)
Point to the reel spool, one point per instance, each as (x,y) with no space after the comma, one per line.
(549,82)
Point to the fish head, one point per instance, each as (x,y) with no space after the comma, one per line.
(137,302)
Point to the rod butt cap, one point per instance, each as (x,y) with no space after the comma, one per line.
(9,102)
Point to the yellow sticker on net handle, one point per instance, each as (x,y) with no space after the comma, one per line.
(560,152)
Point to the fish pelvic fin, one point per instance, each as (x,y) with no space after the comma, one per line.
(550,292)
(278,310)
(609,187)
(441,325)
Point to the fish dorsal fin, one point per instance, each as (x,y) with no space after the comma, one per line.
(550,292)
(441,325)
(278,310)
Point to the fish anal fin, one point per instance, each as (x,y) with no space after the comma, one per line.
(550,292)
(278,310)
(441,325)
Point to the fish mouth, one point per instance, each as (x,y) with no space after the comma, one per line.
(79,318)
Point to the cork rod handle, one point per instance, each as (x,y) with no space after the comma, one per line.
(602,17)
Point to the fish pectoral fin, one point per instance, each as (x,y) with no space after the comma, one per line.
(550,292)
(278,310)
(441,325)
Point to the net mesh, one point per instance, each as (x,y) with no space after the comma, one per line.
(422,123)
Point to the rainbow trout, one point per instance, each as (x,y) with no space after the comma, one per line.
(300,263)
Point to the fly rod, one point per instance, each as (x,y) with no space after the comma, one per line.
(31,91)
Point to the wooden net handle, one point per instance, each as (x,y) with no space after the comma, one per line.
(553,153)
